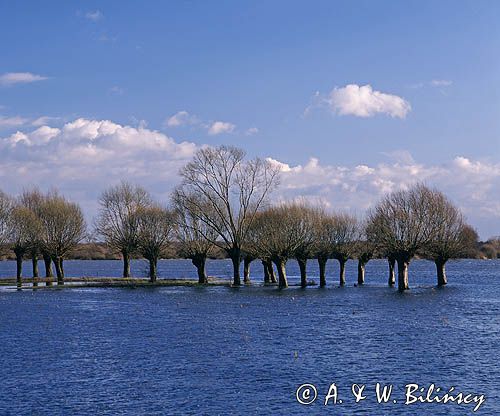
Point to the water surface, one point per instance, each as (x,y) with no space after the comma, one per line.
(217,350)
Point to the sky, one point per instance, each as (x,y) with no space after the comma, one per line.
(352,99)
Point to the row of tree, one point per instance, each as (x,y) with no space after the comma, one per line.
(222,203)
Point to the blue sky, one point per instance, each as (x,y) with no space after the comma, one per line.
(256,67)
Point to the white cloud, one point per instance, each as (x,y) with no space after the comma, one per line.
(14,121)
(95,15)
(473,185)
(363,101)
(11,78)
(84,157)
(251,131)
(441,83)
(40,121)
(181,118)
(219,127)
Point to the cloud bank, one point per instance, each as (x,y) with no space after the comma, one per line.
(84,157)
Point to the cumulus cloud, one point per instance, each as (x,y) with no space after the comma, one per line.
(12,78)
(251,131)
(219,127)
(15,121)
(473,185)
(181,118)
(83,157)
(364,101)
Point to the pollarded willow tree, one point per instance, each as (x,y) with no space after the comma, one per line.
(63,227)
(277,233)
(451,237)
(154,234)
(32,199)
(324,232)
(305,250)
(225,192)
(24,232)
(117,222)
(195,239)
(401,225)
(346,234)
(5,210)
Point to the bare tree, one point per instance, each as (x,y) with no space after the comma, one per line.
(451,237)
(195,239)
(117,222)
(155,233)
(324,232)
(5,210)
(277,234)
(32,199)
(225,192)
(365,251)
(401,225)
(63,227)
(305,249)
(24,231)
(346,234)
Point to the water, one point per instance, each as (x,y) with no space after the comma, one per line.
(217,350)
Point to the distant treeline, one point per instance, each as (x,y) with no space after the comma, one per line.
(221,209)
(489,249)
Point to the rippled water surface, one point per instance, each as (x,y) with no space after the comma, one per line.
(217,350)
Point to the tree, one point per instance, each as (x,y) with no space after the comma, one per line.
(32,200)
(117,222)
(401,225)
(24,231)
(5,210)
(155,232)
(346,234)
(277,233)
(365,251)
(305,249)
(195,240)
(225,192)
(63,227)
(324,232)
(451,237)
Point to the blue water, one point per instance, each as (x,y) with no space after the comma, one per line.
(217,350)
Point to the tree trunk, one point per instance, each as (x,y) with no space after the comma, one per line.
(19,269)
(392,271)
(403,275)
(303,272)
(361,272)
(441,272)
(58,261)
(246,269)
(282,281)
(267,276)
(34,262)
(270,269)
(322,269)
(236,259)
(48,270)
(342,263)
(153,266)
(199,263)
(126,263)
